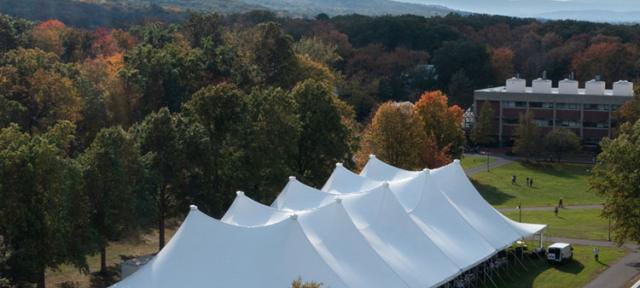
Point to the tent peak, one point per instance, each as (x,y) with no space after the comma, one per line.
(338,200)
(339,164)
(240,193)
(294,217)
(371,156)
(426,171)
(456,160)
(292,178)
(193,207)
(385,184)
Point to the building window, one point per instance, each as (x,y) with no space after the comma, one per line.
(543,122)
(590,124)
(568,123)
(567,106)
(541,105)
(510,121)
(596,107)
(514,104)
(615,107)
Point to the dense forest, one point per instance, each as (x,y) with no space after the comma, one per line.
(109,131)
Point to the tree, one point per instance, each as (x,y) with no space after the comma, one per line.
(395,135)
(616,177)
(502,63)
(527,136)
(273,54)
(560,141)
(39,88)
(482,133)
(630,110)
(299,284)
(455,56)
(215,123)
(112,173)
(612,61)
(48,36)
(271,111)
(158,139)
(324,139)
(461,89)
(43,208)
(441,122)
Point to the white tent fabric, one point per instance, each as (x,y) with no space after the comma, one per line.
(337,239)
(341,181)
(438,217)
(298,196)
(455,184)
(382,221)
(207,253)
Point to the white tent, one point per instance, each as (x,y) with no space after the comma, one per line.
(455,184)
(382,221)
(207,253)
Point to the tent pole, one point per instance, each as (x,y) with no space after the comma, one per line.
(520,262)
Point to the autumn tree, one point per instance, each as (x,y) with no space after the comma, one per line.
(502,63)
(482,133)
(112,173)
(48,36)
(39,89)
(442,123)
(616,177)
(527,136)
(612,61)
(324,139)
(630,110)
(43,215)
(395,135)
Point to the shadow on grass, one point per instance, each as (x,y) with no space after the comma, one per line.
(551,169)
(518,277)
(492,194)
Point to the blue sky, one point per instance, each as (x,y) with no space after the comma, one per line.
(534,7)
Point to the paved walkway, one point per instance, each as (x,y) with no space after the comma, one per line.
(618,275)
(499,161)
(550,208)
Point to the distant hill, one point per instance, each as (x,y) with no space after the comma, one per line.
(340,7)
(594,16)
(293,7)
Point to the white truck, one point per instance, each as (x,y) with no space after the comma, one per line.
(559,252)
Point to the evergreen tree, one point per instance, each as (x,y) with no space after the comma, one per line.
(460,89)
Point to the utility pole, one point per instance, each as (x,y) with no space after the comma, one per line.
(520,212)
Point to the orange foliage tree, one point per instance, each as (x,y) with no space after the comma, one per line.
(441,122)
(48,36)
(611,60)
(395,135)
(502,63)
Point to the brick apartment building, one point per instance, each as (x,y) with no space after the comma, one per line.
(588,111)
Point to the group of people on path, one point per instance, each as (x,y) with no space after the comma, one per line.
(514,180)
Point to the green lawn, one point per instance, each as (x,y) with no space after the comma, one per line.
(469,161)
(570,223)
(551,181)
(576,273)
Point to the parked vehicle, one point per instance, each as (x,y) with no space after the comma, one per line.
(559,252)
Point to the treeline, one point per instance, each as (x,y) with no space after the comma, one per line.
(108,132)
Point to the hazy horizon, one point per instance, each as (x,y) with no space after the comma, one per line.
(528,8)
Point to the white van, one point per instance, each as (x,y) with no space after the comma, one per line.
(559,252)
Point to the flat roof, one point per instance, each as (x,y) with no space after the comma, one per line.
(581,91)
(559,245)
